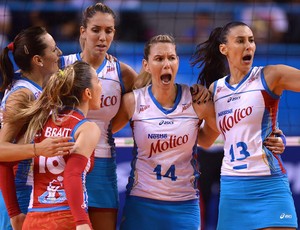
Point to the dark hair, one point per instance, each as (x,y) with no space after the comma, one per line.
(26,44)
(90,11)
(208,56)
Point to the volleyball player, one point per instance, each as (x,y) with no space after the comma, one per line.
(36,54)
(162,187)
(59,199)
(255,192)
(97,33)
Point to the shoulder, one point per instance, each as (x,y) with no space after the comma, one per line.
(69,59)
(18,100)
(273,73)
(184,89)
(85,142)
(273,70)
(70,56)
(21,94)
(183,86)
(127,69)
(88,127)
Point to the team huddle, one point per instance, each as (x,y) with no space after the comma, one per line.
(59,114)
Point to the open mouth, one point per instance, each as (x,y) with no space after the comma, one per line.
(166,78)
(247,58)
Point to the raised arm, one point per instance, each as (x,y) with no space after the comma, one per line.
(282,77)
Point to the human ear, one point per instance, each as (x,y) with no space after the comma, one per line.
(87,94)
(146,66)
(82,31)
(223,49)
(38,60)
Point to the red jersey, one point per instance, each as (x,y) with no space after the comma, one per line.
(48,193)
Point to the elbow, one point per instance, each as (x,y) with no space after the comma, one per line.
(205,145)
(204,142)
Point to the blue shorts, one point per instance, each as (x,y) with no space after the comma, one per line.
(101,184)
(160,215)
(256,203)
(23,196)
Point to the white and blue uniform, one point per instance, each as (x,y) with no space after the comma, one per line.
(254,187)
(162,186)
(23,175)
(103,190)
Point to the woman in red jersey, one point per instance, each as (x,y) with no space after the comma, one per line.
(59,199)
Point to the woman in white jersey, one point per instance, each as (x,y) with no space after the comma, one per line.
(255,192)
(96,35)
(162,187)
(36,54)
(162,190)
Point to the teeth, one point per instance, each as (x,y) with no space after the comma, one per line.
(166,78)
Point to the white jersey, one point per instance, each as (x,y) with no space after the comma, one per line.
(19,83)
(246,114)
(112,87)
(164,167)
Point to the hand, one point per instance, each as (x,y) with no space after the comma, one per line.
(110,57)
(274,142)
(200,93)
(17,221)
(54,146)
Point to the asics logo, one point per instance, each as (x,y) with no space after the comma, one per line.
(163,122)
(285,216)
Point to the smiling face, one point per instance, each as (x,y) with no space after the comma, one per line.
(239,48)
(99,33)
(51,56)
(162,63)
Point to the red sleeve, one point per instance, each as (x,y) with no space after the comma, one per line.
(75,166)
(8,188)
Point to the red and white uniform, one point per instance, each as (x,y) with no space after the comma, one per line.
(48,175)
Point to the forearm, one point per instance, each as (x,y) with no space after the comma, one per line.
(206,136)
(48,147)
(74,188)
(15,152)
(8,189)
